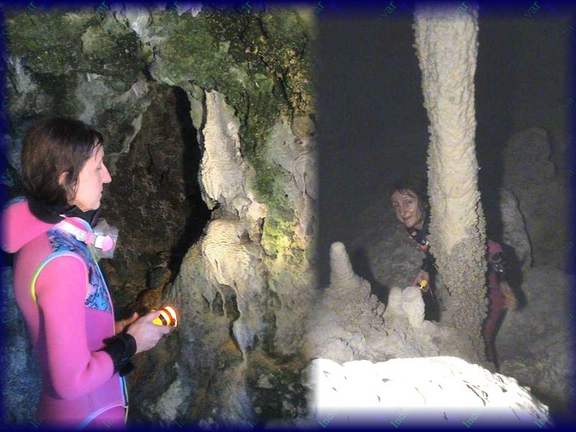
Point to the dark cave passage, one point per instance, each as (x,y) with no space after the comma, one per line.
(156,202)
(198,213)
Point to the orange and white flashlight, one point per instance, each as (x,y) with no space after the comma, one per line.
(167,317)
(423,285)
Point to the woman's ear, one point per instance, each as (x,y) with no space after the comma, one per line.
(62,179)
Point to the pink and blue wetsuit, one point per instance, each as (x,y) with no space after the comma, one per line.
(68,311)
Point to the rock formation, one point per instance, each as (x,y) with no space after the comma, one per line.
(541,194)
(350,323)
(514,233)
(210,135)
(22,383)
(446,44)
(534,344)
(429,391)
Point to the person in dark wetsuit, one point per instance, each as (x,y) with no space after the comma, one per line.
(411,207)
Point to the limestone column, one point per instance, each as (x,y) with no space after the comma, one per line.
(447,46)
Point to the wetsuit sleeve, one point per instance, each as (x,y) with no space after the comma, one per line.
(61,290)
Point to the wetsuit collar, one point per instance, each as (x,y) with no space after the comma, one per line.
(420,235)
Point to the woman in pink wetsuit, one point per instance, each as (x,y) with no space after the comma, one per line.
(409,201)
(58,285)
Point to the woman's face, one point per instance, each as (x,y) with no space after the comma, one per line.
(408,209)
(91,180)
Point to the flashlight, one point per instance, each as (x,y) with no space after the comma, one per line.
(423,284)
(167,317)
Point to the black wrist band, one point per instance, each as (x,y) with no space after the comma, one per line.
(121,348)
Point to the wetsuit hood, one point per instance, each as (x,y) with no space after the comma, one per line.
(21,225)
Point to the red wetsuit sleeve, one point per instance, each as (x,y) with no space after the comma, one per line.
(72,369)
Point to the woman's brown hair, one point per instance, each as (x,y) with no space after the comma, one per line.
(51,147)
(417,185)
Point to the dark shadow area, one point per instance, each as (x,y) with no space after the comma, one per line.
(198,213)
(155,201)
(559,412)
(371,123)
(514,275)
(496,74)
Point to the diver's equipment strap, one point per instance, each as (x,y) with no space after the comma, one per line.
(104,243)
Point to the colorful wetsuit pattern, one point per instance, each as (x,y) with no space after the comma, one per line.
(97,297)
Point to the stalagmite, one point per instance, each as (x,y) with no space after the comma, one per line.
(446,45)
(350,323)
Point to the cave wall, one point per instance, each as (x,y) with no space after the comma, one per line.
(208,120)
(155,200)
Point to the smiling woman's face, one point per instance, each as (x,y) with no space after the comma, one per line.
(408,208)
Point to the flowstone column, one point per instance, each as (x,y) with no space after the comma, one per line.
(446,45)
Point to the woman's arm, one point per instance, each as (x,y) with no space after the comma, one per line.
(61,290)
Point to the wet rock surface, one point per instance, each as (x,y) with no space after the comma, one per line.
(164,84)
(535,344)
(278,390)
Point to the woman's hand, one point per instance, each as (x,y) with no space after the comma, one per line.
(147,334)
(423,275)
(510,301)
(119,326)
